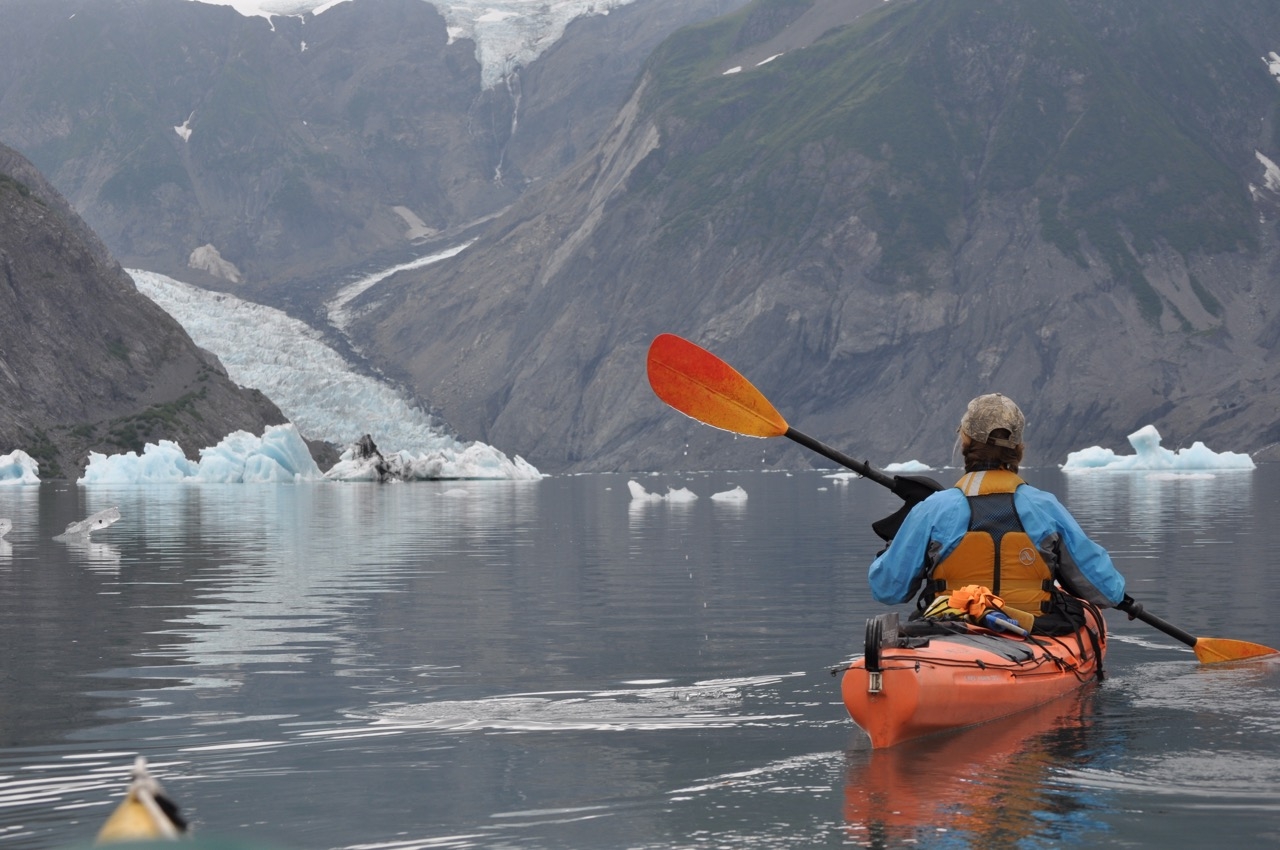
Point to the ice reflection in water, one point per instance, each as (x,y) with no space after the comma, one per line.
(545,665)
(294,582)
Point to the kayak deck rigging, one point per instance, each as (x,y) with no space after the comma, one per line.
(927,676)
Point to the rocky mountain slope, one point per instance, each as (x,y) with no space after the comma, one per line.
(876,211)
(261,154)
(86,362)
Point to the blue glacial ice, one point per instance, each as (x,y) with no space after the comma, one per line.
(18,467)
(1150,455)
(279,456)
(318,391)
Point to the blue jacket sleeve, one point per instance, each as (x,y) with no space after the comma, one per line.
(895,574)
(1085,569)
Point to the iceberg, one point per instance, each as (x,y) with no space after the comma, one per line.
(80,531)
(909,466)
(18,467)
(639,495)
(362,461)
(737,494)
(279,456)
(1150,455)
(6,525)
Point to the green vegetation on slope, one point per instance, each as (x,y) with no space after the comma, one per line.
(937,105)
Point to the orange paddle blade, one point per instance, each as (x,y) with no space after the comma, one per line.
(698,384)
(1214,650)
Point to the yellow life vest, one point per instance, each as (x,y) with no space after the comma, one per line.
(996,552)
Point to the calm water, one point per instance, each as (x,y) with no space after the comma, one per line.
(548,665)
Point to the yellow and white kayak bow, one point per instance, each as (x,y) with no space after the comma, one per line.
(145,814)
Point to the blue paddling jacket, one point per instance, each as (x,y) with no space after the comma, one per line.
(935,528)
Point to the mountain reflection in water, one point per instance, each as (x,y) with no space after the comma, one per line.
(553,664)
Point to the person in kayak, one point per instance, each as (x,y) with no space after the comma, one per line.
(995,530)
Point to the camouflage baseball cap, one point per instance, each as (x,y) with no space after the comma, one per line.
(992,412)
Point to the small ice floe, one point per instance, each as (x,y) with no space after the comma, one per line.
(737,494)
(908,466)
(81,530)
(6,525)
(676,494)
(18,467)
(1150,455)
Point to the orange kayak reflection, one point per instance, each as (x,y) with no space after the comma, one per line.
(984,786)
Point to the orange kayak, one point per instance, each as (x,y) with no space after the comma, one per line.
(925,677)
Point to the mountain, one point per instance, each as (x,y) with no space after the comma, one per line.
(261,153)
(877,210)
(87,363)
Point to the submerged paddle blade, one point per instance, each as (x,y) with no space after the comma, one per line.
(1216,650)
(698,384)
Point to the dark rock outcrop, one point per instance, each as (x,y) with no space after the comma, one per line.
(86,361)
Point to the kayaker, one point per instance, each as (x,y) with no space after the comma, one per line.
(995,530)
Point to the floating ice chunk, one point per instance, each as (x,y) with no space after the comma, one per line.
(5,526)
(159,463)
(639,494)
(18,467)
(1150,455)
(678,494)
(737,494)
(95,522)
(908,466)
(362,461)
(280,455)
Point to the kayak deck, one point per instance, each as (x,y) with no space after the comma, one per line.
(927,677)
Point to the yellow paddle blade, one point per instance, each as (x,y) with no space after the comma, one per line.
(1215,650)
(698,384)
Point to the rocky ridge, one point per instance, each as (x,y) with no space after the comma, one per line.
(87,363)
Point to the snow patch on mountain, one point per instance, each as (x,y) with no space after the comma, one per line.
(507,33)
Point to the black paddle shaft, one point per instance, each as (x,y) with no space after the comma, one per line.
(910,488)
(1134,609)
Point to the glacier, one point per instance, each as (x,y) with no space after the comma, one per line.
(1151,456)
(507,33)
(322,395)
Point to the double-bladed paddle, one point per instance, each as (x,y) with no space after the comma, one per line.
(702,386)
(1208,650)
